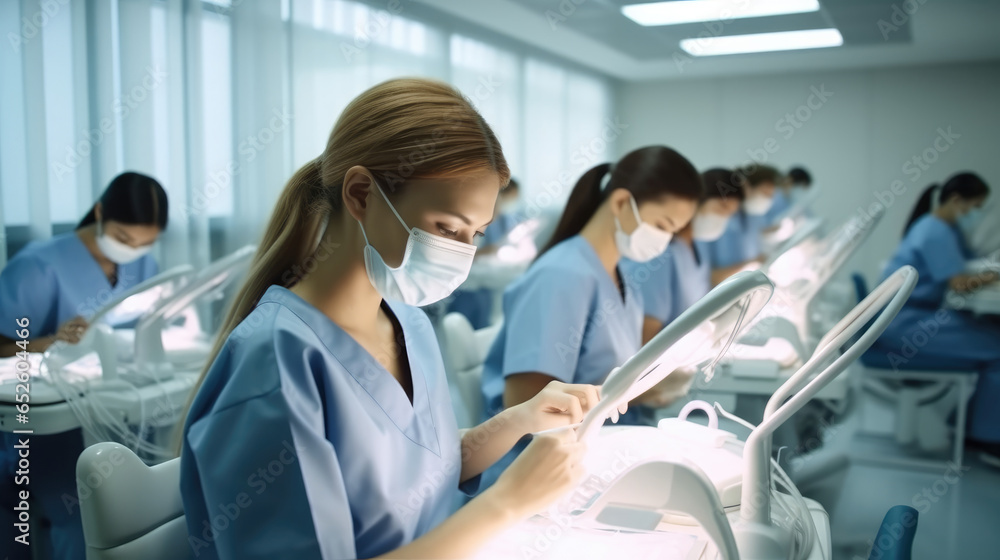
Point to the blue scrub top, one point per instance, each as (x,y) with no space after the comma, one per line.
(739,243)
(497,231)
(300,444)
(778,207)
(938,251)
(564,318)
(672,282)
(54,280)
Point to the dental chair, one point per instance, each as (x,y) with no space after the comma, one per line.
(464,351)
(923,393)
(130,510)
(894,540)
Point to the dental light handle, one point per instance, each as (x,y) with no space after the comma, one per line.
(891,295)
(662,354)
(845,329)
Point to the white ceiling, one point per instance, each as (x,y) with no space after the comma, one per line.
(595,34)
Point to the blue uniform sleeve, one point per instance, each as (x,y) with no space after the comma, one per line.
(654,281)
(150,268)
(266,463)
(778,207)
(728,250)
(942,251)
(546,319)
(28,288)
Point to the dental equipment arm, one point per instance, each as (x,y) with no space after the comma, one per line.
(705,329)
(755,534)
(99,337)
(149,350)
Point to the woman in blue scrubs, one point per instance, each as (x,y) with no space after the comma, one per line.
(740,244)
(322,427)
(675,280)
(572,317)
(935,244)
(57,284)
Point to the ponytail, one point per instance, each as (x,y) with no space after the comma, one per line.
(583,202)
(923,206)
(288,241)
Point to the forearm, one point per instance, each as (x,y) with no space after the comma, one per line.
(969,282)
(10,348)
(462,534)
(484,444)
(650,327)
(720,274)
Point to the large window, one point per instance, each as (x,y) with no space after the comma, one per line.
(222,100)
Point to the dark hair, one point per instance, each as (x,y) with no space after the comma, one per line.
(513,185)
(722,183)
(800,176)
(964,185)
(755,175)
(132,198)
(648,173)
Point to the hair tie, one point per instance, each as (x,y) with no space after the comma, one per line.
(936,196)
(606,178)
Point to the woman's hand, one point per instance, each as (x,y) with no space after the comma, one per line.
(72,330)
(666,392)
(547,469)
(557,404)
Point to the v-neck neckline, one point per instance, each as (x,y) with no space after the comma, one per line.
(89,257)
(413,418)
(595,260)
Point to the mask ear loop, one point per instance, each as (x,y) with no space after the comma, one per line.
(391,207)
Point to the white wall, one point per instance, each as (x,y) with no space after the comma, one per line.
(860,141)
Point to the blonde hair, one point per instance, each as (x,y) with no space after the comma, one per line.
(401,129)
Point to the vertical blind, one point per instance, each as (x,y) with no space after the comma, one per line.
(221,100)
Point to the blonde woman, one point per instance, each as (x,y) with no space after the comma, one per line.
(322,427)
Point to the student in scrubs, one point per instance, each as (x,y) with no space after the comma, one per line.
(572,317)
(477,305)
(57,284)
(675,280)
(790,189)
(322,427)
(935,244)
(740,245)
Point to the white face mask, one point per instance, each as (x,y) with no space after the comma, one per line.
(643,244)
(708,226)
(118,252)
(432,268)
(969,221)
(757,204)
